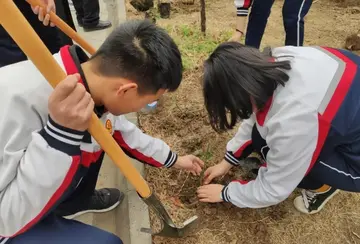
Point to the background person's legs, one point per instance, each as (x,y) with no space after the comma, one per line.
(63,11)
(87,12)
(259,14)
(294,12)
(57,230)
(88,15)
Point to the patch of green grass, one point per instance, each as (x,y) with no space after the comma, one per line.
(194,46)
(206,155)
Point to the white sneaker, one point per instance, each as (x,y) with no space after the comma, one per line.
(311,202)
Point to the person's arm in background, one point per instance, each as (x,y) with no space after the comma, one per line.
(151,150)
(242,11)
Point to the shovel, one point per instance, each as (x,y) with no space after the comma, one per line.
(22,33)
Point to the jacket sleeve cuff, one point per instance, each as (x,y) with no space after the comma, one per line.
(225,194)
(63,139)
(171,159)
(231,159)
(242,12)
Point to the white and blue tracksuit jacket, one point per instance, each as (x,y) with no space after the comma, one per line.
(39,159)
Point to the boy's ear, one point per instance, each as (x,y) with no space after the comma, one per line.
(124,88)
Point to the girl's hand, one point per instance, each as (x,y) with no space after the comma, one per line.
(218,170)
(190,163)
(210,193)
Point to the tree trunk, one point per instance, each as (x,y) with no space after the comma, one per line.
(203,17)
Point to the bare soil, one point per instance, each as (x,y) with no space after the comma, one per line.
(182,122)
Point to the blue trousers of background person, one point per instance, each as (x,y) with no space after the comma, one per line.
(293,13)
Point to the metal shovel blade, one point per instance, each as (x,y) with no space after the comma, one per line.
(168,228)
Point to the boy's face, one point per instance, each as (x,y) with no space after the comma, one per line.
(126,99)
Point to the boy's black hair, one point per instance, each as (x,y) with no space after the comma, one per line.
(142,52)
(232,74)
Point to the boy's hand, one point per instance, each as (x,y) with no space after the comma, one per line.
(44,14)
(70,105)
(190,163)
(216,171)
(210,193)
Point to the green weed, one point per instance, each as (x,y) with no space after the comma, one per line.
(194,46)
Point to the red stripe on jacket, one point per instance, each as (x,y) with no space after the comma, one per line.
(56,196)
(261,115)
(247,3)
(334,104)
(87,158)
(238,153)
(120,140)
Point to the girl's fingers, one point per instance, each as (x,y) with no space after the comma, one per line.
(198,169)
(207,172)
(209,178)
(204,200)
(202,195)
(199,162)
(206,181)
(202,190)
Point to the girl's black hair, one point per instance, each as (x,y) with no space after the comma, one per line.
(232,74)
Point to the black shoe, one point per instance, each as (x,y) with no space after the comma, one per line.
(100,26)
(103,200)
(80,24)
(311,202)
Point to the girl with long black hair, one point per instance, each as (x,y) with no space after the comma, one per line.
(300,110)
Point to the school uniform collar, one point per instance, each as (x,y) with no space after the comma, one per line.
(261,114)
(72,57)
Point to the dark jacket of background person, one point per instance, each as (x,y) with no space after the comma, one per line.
(52,37)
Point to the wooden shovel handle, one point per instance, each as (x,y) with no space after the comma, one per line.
(23,34)
(65,28)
